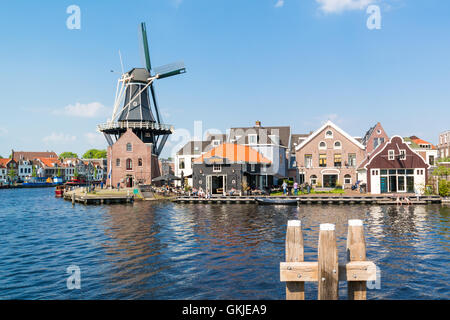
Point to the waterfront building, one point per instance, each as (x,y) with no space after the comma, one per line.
(374,137)
(293,172)
(184,158)
(444,145)
(272,142)
(328,157)
(25,169)
(32,155)
(230,166)
(3,175)
(49,167)
(394,168)
(425,149)
(9,170)
(131,161)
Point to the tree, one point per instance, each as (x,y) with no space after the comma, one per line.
(59,172)
(68,154)
(75,173)
(1,157)
(34,174)
(94,154)
(12,174)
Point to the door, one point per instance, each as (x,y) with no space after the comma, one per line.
(392,183)
(383,185)
(401,186)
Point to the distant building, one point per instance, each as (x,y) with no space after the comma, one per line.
(230,166)
(31,155)
(25,169)
(394,168)
(9,170)
(329,157)
(374,137)
(444,145)
(424,148)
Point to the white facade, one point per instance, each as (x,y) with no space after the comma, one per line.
(25,169)
(3,175)
(183,163)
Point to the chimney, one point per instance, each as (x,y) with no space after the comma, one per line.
(258,124)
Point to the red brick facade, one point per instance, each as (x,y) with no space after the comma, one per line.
(132,161)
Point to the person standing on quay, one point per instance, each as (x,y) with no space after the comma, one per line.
(296,188)
(284,185)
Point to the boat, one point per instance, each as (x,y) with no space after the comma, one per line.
(59,191)
(273,201)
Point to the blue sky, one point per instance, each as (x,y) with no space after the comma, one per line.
(291,62)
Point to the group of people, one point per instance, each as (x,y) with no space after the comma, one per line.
(296,187)
(201,193)
(399,200)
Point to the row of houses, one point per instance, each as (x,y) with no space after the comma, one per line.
(23,165)
(260,157)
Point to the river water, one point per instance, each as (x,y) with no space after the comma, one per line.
(189,251)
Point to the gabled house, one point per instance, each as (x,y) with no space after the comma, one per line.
(329,157)
(25,169)
(230,166)
(184,158)
(9,167)
(272,142)
(424,148)
(444,145)
(374,137)
(394,168)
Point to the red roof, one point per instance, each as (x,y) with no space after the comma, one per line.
(50,162)
(4,162)
(233,153)
(420,141)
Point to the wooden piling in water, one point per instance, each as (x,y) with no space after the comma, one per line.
(328,288)
(294,253)
(356,251)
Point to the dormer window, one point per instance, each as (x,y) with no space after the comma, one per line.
(215,143)
(252,139)
(329,134)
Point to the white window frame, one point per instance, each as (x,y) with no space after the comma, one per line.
(340,145)
(391,154)
(217,168)
(215,143)
(252,167)
(250,136)
(322,148)
(327,136)
(350,179)
(402,154)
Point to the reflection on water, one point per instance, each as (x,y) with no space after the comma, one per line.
(186,251)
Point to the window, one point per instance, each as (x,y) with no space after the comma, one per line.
(252,138)
(337,160)
(215,143)
(252,167)
(313,179)
(129,147)
(117,162)
(308,160)
(322,145)
(375,143)
(329,134)
(391,154)
(129,164)
(139,162)
(348,179)
(352,160)
(402,154)
(431,160)
(337,145)
(181,164)
(217,168)
(322,160)
(192,162)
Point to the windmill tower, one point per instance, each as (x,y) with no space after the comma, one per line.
(136,134)
(135,104)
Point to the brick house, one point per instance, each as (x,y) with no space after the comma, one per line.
(131,161)
(329,157)
(374,137)
(394,168)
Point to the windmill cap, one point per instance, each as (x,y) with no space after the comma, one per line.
(139,74)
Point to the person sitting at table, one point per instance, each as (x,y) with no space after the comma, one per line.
(232,191)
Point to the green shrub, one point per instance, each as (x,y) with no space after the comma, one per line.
(444,188)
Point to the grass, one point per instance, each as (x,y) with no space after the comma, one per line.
(334,191)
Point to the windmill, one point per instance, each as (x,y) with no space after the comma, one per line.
(135,103)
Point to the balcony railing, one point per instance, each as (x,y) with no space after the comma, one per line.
(135,125)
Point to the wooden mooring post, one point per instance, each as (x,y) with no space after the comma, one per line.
(327,271)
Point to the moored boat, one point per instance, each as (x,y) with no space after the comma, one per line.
(273,201)
(59,191)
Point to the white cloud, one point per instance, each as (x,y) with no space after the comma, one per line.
(279,4)
(88,110)
(3,131)
(59,138)
(333,6)
(95,139)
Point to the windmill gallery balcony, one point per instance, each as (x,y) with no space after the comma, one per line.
(124,125)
